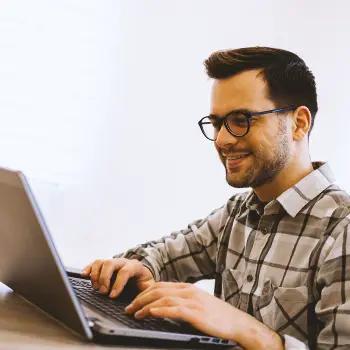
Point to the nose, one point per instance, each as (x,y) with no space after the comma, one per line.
(224,138)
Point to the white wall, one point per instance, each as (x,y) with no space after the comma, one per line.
(99,103)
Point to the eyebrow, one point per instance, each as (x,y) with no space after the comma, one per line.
(241,110)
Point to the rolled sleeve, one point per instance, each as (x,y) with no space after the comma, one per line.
(187,255)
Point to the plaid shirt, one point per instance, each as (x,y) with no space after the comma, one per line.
(286,263)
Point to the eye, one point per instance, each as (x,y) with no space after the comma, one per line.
(217,126)
(216,123)
(237,119)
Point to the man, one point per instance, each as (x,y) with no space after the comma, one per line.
(280,252)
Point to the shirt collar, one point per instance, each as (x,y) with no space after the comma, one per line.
(307,189)
(254,203)
(296,197)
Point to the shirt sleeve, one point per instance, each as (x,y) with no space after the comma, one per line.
(187,255)
(333,308)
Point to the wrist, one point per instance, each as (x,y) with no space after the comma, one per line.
(254,335)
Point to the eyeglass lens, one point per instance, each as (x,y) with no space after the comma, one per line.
(236,122)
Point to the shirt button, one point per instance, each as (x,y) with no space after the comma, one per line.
(264,230)
(249,278)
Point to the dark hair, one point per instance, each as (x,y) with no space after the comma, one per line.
(289,80)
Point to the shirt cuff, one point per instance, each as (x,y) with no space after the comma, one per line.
(143,260)
(146,262)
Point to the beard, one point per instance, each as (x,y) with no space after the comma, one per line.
(267,163)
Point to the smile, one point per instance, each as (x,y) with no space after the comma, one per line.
(234,161)
(238,157)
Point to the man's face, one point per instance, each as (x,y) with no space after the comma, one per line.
(268,143)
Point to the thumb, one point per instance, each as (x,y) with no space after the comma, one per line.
(143,285)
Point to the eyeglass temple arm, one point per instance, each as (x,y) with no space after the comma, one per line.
(274,110)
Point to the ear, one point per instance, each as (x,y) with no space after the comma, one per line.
(301,123)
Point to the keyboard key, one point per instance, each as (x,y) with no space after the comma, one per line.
(115,309)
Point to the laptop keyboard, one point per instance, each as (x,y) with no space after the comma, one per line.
(115,309)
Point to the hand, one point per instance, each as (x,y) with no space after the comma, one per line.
(205,312)
(101,272)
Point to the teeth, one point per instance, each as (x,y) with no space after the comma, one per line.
(238,157)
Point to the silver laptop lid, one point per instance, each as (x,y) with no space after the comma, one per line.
(29,263)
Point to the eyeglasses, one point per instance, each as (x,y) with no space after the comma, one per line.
(236,122)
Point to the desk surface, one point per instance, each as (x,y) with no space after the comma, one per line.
(23,326)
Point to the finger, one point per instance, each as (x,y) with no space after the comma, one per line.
(168,286)
(198,319)
(167,301)
(129,269)
(158,285)
(95,273)
(106,273)
(86,270)
(141,301)
(181,312)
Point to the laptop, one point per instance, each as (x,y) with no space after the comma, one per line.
(31,267)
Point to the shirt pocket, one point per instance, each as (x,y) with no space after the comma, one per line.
(284,309)
(232,282)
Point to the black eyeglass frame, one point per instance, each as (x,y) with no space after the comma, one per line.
(248,117)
